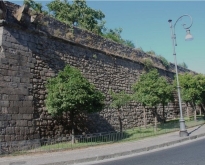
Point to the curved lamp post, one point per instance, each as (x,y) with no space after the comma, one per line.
(183,131)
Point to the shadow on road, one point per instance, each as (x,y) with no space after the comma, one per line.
(195,129)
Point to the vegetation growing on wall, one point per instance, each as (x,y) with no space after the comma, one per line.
(37,7)
(151,52)
(183,65)
(115,35)
(164,61)
(148,63)
(80,15)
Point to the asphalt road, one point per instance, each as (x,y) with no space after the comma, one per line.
(188,154)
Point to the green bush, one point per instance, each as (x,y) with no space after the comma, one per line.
(148,63)
(164,61)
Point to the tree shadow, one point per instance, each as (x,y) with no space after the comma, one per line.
(104,137)
(41,56)
(189,133)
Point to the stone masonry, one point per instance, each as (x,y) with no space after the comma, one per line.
(29,55)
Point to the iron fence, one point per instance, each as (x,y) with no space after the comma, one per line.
(80,141)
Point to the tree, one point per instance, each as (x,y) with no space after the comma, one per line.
(70,92)
(115,35)
(183,65)
(200,84)
(192,89)
(164,61)
(151,52)
(80,15)
(151,90)
(118,101)
(77,14)
(37,7)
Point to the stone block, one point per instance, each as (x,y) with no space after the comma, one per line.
(4,110)
(27,116)
(30,123)
(7,78)
(13,62)
(17,117)
(13,137)
(17,130)
(13,84)
(25,80)
(10,130)
(29,98)
(13,97)
(27,131)
(6,44)
(13,110)
(26,110)
(7,138)
(3,71)
(27,103)
(2,138)
(4,61)
(5,97)
(16,79)
(19,137)
(4,103)
(16,103)
(22,131)
(22,123)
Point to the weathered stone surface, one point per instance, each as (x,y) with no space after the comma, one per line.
(31,56)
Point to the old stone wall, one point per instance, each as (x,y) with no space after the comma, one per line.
(30,55)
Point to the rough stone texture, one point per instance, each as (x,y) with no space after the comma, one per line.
(29,56)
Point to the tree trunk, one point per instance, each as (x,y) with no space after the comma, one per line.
(155,120)
(194,107)
(163,113)
(187,109)
(120,120)
(203,109)
(200,112)
(194,111)
(72,127)
(195,115)
(144,115)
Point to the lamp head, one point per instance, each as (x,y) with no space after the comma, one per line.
(188,37)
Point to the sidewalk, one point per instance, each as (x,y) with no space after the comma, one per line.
(103,152)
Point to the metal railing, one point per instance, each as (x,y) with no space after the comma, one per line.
(62,143)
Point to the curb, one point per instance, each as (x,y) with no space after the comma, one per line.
(120,154)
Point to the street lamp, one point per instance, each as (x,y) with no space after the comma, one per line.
(189,37)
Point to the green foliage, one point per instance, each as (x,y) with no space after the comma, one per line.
(115,35)
(184,65)
(95,56)
(151,89)
(151,52)
(200,85)
(37,7)
(129,43)
(77,14)
(164,61)
(192,88)
(119,99)
(140,49)
(70,91)
(80,15)
(148,63)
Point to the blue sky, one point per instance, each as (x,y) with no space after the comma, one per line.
(145,23)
